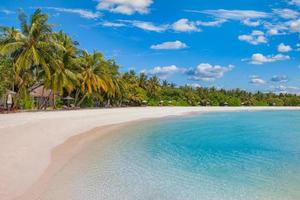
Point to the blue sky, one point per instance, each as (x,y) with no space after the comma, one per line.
(249,44)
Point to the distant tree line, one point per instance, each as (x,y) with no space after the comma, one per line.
(35,56)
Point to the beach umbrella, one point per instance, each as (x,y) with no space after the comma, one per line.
(10,92)
(68,98)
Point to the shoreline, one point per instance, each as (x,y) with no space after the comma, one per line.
(50,137)
(64,153)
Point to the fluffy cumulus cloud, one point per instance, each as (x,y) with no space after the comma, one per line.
(170,45)
(295,26)
(279,78)
(162,72)
(273,32)
(251,23)
(127,7)
(207,72)
(184,25)
(255,38)
(256,80)
(278,28)
(284,48)
(259,59)
(81,12)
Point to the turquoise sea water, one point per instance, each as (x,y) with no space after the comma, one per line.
(215,156)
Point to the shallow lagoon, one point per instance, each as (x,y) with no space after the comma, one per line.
(215,156)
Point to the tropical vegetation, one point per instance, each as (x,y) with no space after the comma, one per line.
(35,55)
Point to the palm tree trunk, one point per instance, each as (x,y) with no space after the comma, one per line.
(81,100)
(53,99)
(76,96)
(108,103)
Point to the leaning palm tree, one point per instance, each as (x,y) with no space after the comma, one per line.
(92,77)
(30,47)
(65,76)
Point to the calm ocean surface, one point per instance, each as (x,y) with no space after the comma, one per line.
(215,156)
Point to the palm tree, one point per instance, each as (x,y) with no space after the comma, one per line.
(65,76)
(165,83)
(114,82)
(143,80)
(92,76)
(153,87)
(31,50)
(32,46)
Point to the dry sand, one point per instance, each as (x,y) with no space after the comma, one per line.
(30,141)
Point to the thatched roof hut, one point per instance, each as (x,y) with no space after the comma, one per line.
(41,92)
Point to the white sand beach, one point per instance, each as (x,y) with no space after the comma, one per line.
(28,139)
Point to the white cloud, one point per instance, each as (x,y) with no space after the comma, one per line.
(184,25)
(207,72)
(127,7)
(83,13)
(278,28)
(256,80)
(235,14)
(7,12)
(255,38)
(279,78)
(147,26)
(250,23)
(297,47)
(113,24)
(194,85)
(295,2)
(211,23)
(286,13)
(286,89)
(284,48)
(273,32)
(295,26)
(170,45)
(162,72)
(258,59)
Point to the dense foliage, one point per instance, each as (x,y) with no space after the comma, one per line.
(35,55)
